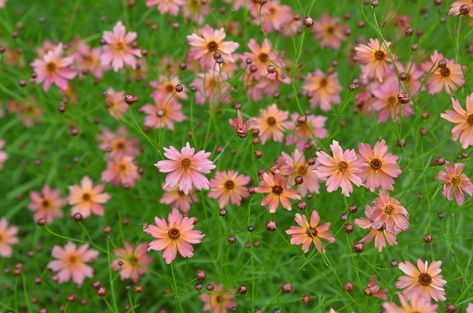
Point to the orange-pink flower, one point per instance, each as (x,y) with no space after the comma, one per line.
(322,90)
(177,234)
(300,168)
(463,131)
(456,6)
(374,59)
(117,144)
(7,237)
(380,235)
(417,304)
(87,199)
(444,74)
(131,261)
(306,130)
(121,171)
(456,184)
(272,123)
(163,114)
(178,199)
(278,192)
(228,187)
(309,232)
(166,6)
(330,31)
(390,214)
(218,301)
(115,103)
(46,204)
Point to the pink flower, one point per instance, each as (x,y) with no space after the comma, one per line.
(186,168)
(115,103)
(217,301)
(178,199)
(131,261)
(378,166)
(118,49)
(228,187)
(455,183)
(310,232)
(3,154)
(469,309)
(322,90)
(166,6)
(390,214)
(463,131)
(374,59)
(87,199)
(386,101)
(7,237)
(165,88)
(341,170)
(212,87)
(375,290)
(330,31)
(121,171)
(118,145)
(70,262)
(417,304)
(448,76)
(87,60)
(272,123)
(305,128)
(52,68)
(163,114)
(241,126)
(300,168)
(274,16)
(175,234)
(278,192)
(46,204)
(455,9)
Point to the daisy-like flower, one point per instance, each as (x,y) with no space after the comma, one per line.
(28,110)
(228,187)
(455,8)
(272,123)
(70,262)
(7,237)
(178,199)
(121,171)
(386,102)
(322,90)
(186,168)
(165,88)
(463,131)
(118,49)
(300,168)
(166,6)
(87,199)
(87,60)
(131,261)
(46,204)
(241,126)
(163,114)
(212,87)
(380,235)
(341,170)
(261,57)
(389,213)
(330,31)
(305,130)
(310,232)
(378,166)
(3,154)
(175,234)
(205,43)
(374,59)
(417,304)
(445,74)
(117,144)
(274,16)
(423,281)
(456,184)
(218,301)
(278,192)
(53,68)
(115,103)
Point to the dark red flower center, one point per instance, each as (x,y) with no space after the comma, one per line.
(212,46)
(376,164)
(425,279)
(277,190)
(229,185)
(263,57)
(312,231)
(271,121)
(342,166)
(186,163)
(380,55)
(445,71)
(174,233)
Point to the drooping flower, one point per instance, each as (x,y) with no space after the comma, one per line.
(3,154)
(228,187)
(374,59)
(53,68)
(87,199)
(378,166)
(322,90)
(218,300)
(444,74)
(70,262)
(423,281)
(121,171)
(178,199)
(417,304)
(300,168)
(115,103)
(177,234)
(241,126)
(456,184)
(341,170)
(46,204)
(272,123)
(7,237)
(278,192)
(309,232)
(186,168)
(375,290)
(166,6)
(131,261)
(119,49)
(463,131)
(390,214)
(163,114)
(330,31)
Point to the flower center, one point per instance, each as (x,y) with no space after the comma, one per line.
(456,180)
(323,82)
(169,88)
(120,145)
(160,113)
(312,231)
(330,29)
(122,168)
(174,233)
(342,166)
(425,279)
(379,55)
(263,57)
(219,299)
(229,185)
(376,164)
(388,209)
(392,101)
(119,45)
(445,71)
(46,204)
(271,121)
(301,170)
(72,259)
(51,67)
(86,197)
(186,163)
(212,46)
(469,120)
(277,190)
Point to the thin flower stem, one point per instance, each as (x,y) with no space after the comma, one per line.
(110,277)
(176,292)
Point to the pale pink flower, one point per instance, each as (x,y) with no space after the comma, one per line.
(115,103)
(455,183)
(374,59)
(178,199)
(278,192)
(177,234)
(186,168)
(163,114)
(386,102)
(228,187)
(166,6)
(7,238)
(131,261)
(380,235)
(121,171)
(375,290)
(241,126)
(274,16)
(87,199)
(46,204)
(70,262)
(261,57)
(417,304)
(305,128)
(463,130)
(413,76)
(469,309)
(165,88)
(272,123)
(117,144)
(3,154)
(118,49)
(218,301)
(196,11)
(341,170)
(53,68)
(455,8)
(322,90)
(389,213)
(330,31)
(87,60)
(211,86)
(448,76)
(300,168)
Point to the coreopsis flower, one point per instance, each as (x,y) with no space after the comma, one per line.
(28,110)
(218,301)
(46,204)
(131,261)
(380,235)
(177,234)
(444,74)
(53,68)
(7,237)
(206,42)
(165,88)
(469,309)
(87,199)
(196,11)
(166,6)
(386,101)
(186,168)
(229,187)
(277,191)
(274,16)
(341,170)
(272,123)
(3,154)
(417,304)
(309,232)
(117,144)
(322,90)
(121,171)
(374,59)
(87,60)
(118,49)
(424,281)
(463,131)
(375,290)
(305,130)
(390,214)
(411,75)
(241,126)
(178,199)
(330,31)
(455,8)
(300,168)
(71,262)
(115,103)
(163,114)
(261,57)
(378,166)
(456,184)
(211,86)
